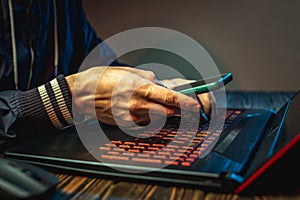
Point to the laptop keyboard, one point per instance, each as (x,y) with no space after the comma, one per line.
(169,145)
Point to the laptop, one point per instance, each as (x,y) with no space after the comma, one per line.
(255,151)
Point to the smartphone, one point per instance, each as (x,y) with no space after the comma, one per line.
(205,85)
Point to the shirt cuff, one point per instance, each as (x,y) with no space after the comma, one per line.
(51,101)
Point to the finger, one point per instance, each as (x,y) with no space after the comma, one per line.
(205,98)
(172,83)
(150,107)
(213,104)
(169,97)
(145,119)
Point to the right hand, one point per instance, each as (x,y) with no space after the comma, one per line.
(207,99)
(125,95)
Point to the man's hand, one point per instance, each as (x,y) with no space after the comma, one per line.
(125,95)
(207,99)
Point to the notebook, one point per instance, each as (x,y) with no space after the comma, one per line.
(254,151)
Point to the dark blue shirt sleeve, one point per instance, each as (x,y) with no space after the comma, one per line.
(9,106)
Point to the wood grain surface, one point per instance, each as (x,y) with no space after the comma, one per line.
(80,187)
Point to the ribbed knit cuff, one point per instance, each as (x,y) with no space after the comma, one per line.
(51,100)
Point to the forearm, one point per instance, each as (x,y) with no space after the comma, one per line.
(36,111)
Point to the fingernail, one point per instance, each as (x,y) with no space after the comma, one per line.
(197,107)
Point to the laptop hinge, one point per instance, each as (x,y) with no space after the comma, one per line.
(231,180)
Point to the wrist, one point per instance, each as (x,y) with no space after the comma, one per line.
(51,100)
(70,81)
(78,114)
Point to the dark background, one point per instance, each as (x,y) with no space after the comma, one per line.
(258,40)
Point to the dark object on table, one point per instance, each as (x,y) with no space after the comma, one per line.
(20,180)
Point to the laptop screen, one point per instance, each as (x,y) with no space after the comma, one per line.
(289,127)
(284,128)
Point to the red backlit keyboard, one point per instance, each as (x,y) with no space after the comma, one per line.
(169,145)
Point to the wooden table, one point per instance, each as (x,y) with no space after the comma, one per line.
(81,187)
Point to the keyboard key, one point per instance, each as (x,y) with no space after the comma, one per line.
(114,157)
(124,146)
(105,148)
(134,150)
(128,154)
(153,148)
(160,157)
(144,144)
(158,145)
(130,143)
(147,160)
(116,142)
(113,152)
(171,162)
(186,164)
